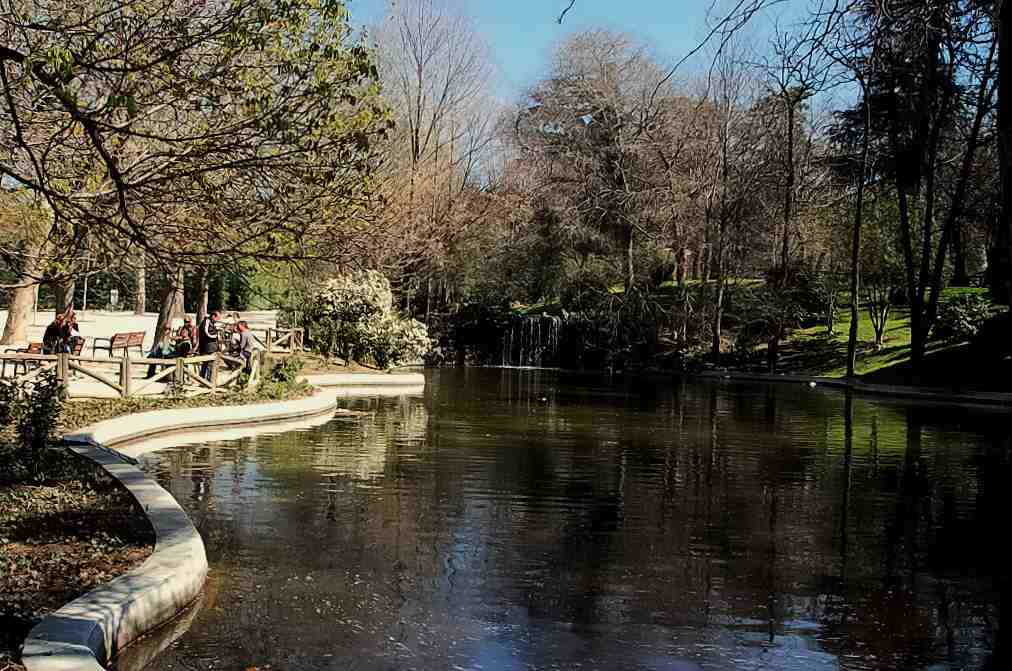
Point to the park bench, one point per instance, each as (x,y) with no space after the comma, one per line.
(120,341)
(33,348)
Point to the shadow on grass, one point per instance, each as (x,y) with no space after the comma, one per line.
(963,367)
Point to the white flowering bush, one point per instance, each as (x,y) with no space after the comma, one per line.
(353,316)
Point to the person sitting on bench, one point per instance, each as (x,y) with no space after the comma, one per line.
(52,339)
(186,338)
(164,348)
(72,334)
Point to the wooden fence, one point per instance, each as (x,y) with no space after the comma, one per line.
(280,340)
(121,375)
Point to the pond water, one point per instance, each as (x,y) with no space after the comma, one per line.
(519,519)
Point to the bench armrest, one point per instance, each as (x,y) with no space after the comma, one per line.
(95,341)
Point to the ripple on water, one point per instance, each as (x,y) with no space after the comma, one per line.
(540,520)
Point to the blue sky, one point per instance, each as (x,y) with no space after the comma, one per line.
(522,33)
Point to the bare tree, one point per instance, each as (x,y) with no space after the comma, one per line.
(437,74)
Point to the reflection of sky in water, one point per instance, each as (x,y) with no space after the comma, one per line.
(514,520)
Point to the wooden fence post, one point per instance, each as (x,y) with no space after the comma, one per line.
(180,376)
(215,365)
(124,374)
(62,372)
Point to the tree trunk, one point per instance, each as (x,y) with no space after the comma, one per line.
(630,274)
(788,191)
(23,299)
(172,302)
(65,295)
(855,248)
(18,314)
(1000,254)
(773,351)
(203,293)
(960,275)
(141,297)
(952,224)
(718,316)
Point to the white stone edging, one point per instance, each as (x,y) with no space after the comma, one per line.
(955,397)
(365,379)
(86,633)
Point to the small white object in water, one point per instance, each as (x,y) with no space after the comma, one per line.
(812,383)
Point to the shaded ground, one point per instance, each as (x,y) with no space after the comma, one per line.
(814,351)
(314,363)
(58,541)
(957,368)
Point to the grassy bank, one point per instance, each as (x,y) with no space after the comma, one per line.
(813,351)
(958,367)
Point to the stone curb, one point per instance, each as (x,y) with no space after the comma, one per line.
(993,399)
(89,631)
(365,379)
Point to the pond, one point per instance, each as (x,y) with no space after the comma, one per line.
(517,519)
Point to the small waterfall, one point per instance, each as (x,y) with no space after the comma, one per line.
(531,341)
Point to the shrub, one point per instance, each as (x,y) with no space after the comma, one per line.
(29,411)
(353,316)
(397,340)
(282,380)
(960,317)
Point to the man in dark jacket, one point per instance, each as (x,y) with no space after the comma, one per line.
(52,339)
(207,341)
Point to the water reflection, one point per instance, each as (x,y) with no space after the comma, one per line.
(538,520)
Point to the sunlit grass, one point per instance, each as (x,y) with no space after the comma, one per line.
(827,354)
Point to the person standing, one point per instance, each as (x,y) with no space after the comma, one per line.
(246,346)
(207,339)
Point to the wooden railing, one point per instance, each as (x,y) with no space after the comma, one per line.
(283,340)
(273,340)
(120,376)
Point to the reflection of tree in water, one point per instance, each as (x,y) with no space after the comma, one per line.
(725,516)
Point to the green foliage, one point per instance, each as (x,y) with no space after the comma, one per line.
(766,313)
(610,330)
(282,381)
(824,289)
(353,316)
(29,411)
(961,316)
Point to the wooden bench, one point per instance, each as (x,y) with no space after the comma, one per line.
(33,348)
(120,341)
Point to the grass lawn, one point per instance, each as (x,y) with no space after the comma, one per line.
(815,352)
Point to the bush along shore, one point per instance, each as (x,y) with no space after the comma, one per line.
(65,526)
